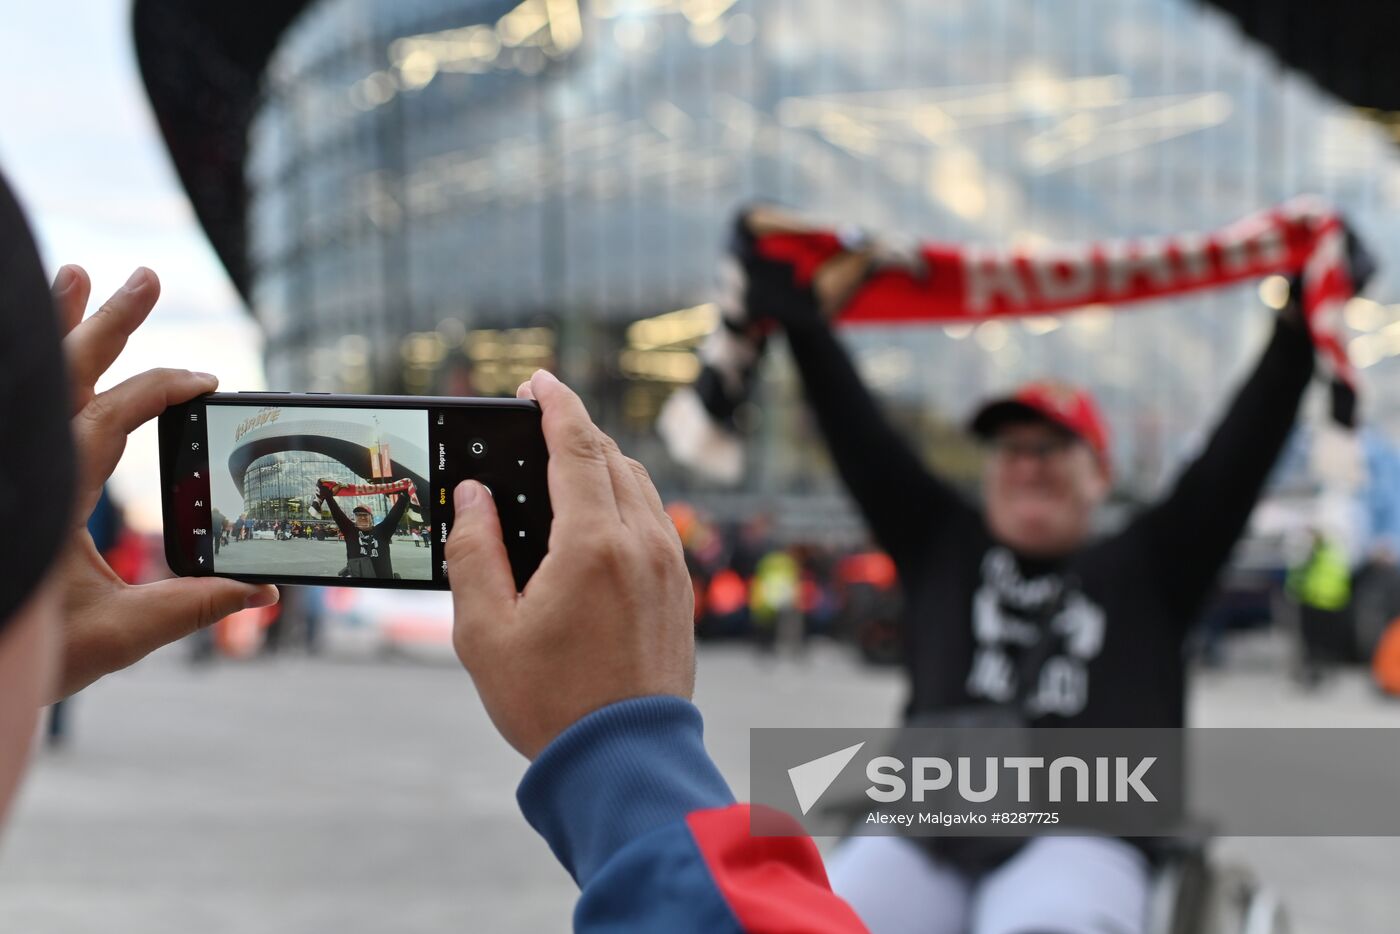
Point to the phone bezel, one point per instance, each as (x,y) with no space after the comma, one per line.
(172,429)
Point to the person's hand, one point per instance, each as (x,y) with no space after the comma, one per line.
(770,292)
(109,624)
(608,614)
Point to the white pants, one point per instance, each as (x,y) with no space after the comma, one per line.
(1054,885)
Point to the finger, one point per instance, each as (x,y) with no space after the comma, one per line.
(649,492)
(172,609)
(93,344)
(525,391)
(71,290)
(632,506)
(656,510)
(580,485)
(102,426)
(478,571)
(839,277)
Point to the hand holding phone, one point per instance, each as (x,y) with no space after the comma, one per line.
(610,613)
(109,624)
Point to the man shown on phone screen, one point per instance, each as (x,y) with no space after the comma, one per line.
(366,544)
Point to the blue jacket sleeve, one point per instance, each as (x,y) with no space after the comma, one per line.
(637,812)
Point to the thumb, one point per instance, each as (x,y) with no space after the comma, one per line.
(483,587)
(177,607)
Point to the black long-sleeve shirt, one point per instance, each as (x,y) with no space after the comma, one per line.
(1116,611)
(373,544)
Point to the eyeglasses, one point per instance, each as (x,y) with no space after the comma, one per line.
(1040,449)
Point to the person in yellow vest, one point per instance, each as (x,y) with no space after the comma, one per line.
(1321,588)
(773,609)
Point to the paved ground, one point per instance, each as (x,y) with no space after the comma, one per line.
(335,796)
(300,556)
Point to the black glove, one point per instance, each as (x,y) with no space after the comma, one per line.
(771,294)
(1359,260)
(1362,266)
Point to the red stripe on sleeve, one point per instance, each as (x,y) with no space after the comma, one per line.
(774,885)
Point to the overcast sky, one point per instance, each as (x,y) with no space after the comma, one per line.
(80,146)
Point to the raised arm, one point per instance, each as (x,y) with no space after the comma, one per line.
(597,693)
(1189,535)
(901,499)
(341,519)
(391,521)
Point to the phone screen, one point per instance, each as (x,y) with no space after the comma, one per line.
(345,490)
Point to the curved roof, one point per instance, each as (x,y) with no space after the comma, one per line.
(343,440)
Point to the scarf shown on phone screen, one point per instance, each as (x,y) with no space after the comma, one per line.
(927,283)
(336,488)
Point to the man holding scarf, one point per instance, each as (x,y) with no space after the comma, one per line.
(1013,609)
(366,544)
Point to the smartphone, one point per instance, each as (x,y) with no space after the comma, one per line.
(314,488)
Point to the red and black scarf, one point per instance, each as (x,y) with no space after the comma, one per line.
(336,488)
(1304,239)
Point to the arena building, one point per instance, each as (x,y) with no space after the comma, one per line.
(437,196)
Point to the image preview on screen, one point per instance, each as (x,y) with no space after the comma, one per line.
(272,514)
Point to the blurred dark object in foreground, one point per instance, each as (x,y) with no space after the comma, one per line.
(1345,46)
(202,64)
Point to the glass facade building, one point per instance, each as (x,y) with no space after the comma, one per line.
(267,461)
(446,194)
(281,486)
